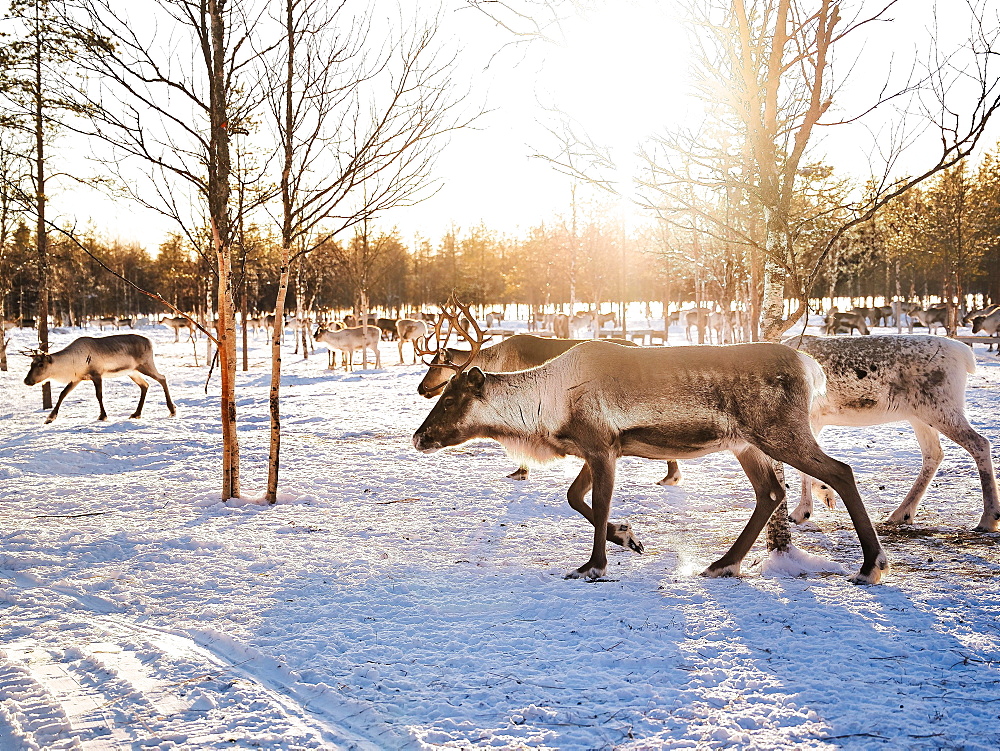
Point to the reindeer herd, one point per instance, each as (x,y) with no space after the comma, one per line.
(544,398)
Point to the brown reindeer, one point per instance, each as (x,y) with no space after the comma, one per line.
(600,401)
(519,352)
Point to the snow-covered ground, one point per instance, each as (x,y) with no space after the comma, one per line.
(396,600)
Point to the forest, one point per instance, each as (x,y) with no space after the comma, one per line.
(938,238)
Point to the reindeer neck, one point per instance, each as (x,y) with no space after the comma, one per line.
(522,403)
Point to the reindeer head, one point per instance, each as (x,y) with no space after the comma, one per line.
(40,362)
(452,420)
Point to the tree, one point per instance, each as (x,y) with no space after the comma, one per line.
(176,125)
(358,131)
(32,82)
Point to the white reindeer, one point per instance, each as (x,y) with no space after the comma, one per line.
(350,340)
(921,379)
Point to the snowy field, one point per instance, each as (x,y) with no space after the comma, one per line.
(396,600)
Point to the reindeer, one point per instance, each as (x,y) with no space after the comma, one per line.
(933,318)
(880,379)
(91,359)
(519,352)
(388,327)
(579,322)
(560,325)
(349,340)
(177,323)
(838,321)
(109,321)
(970,317)
(988,324)
(696,317)
(603,318)
(254,323)
(494,318)
(600,401)
(413,331)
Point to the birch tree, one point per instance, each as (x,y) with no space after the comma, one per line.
(172,90)
(359,120)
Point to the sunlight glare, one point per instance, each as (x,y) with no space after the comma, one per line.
(621,75)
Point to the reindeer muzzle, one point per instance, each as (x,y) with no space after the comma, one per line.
(425,446)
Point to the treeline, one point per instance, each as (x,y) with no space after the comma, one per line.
(941,240)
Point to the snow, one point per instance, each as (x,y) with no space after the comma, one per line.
(397,600)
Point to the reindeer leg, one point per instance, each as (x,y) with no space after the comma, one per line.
(979,448)
(160,379)
(806,456)
(619,533)
(810,488)
(673,476)
(602,470)
(143,388)
(930,450)
(804,510)
(55,410)
(99,390)
(769,493)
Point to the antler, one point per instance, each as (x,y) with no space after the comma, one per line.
(423,349)
(455,322)
(453,318)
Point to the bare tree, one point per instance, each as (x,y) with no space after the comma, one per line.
(359,121)
(38,100)
(174,121)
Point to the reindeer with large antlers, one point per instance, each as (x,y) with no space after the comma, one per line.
(519,352)
(600,401)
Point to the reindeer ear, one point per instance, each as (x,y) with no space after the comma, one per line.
(476,380)
(48,358)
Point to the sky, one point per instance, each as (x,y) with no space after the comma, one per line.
(619,71)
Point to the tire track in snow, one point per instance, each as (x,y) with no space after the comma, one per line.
(86,677)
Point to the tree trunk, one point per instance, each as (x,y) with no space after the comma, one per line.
(41,239)
(243,315)
(274,452)
(773,325)
(220,169)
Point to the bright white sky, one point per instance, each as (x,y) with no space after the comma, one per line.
(620,73)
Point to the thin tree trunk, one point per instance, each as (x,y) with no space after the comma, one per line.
(274,401)
(243,315)
(287,230)
(218,200)
(41,239)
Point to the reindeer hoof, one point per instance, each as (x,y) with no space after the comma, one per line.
(799,515)
(622,535)
(900,516)
(875,575)
(518,474)
(825,494)
(588,572)
(719,572)
(49,419)
(134,416)
(103,418)
(987,524)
